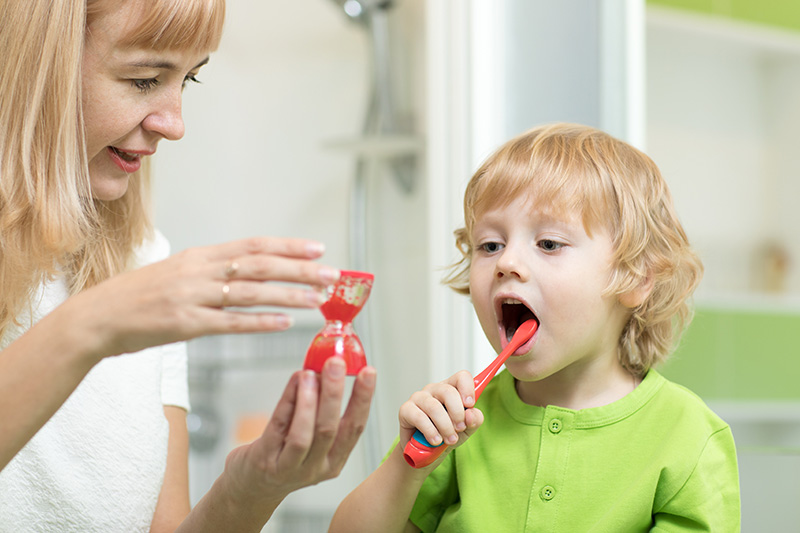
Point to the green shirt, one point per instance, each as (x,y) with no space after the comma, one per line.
(656,460)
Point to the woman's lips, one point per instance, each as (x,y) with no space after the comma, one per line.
(126,161)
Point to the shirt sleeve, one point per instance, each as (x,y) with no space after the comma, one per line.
(174,375)
(174,360)
(709,500)
(152,250)
(438,493)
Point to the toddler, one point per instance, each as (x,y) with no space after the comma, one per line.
(575,229)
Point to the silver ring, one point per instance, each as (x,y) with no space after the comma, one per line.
(231,268)
(226,290)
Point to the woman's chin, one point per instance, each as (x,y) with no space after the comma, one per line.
(108,189)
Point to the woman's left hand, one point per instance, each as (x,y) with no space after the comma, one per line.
(305,442)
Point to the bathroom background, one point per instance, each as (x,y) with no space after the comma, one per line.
(359,123)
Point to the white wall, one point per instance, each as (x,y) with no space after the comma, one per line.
(290,78)
(721,124)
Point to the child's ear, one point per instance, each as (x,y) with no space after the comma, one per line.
(636,296)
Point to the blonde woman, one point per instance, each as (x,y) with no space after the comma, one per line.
(92,310)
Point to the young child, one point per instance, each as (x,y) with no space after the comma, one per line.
(574,228)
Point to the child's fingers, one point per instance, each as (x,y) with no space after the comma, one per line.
(454,406)
(465,384)
(443,406)
(474,420)
(413,418)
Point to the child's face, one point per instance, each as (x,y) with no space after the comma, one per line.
(528,262)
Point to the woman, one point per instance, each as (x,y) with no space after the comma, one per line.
(92,428)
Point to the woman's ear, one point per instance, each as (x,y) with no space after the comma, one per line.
(636,296)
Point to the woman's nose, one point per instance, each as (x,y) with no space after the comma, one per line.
(166,118)
(512,262)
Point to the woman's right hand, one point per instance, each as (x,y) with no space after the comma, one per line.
(443,411)
(192,293)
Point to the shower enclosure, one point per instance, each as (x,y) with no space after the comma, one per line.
(309,123)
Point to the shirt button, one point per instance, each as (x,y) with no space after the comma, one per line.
(555,425)
(547,493)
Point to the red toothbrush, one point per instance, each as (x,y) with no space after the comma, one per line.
(419,452)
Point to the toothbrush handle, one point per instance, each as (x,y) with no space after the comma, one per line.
(419,452)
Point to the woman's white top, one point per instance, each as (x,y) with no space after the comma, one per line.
(98,463)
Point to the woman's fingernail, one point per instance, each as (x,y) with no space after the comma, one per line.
(315,248)
(452,439)
(309,379)
(284,321)
(336,368)
(461,426)
(315,297)
(329,275)
(369,378)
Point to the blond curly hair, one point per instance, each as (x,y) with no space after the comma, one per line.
(570,168)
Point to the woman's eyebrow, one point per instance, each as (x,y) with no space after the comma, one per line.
(163,65)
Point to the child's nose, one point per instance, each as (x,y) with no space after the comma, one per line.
(511,262)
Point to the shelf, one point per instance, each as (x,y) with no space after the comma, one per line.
(760,37)
(750,302)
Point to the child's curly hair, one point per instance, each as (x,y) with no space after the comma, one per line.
(570,168)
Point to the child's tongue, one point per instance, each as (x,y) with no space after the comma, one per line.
(515,314)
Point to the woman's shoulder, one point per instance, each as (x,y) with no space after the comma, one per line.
(154,248)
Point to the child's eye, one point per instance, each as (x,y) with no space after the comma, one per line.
(549,245)
(145,84)
(490,247)
(190,78)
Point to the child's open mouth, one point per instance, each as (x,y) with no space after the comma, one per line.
(513,313)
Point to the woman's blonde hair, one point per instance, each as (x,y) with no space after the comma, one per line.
(48,219)
(569,168)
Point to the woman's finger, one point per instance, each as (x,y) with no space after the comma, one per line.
(271,440)
(299,438)
(264,267)
(286,247)
(328,414)
(354,420)
(252,294)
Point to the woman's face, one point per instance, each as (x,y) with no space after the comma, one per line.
(131,99)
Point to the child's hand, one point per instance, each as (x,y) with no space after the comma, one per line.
(443,412)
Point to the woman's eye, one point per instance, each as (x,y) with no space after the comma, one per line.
(145,84)
(491,247)
(549,245)
(190,78)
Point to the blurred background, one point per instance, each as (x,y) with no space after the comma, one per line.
(358,123)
